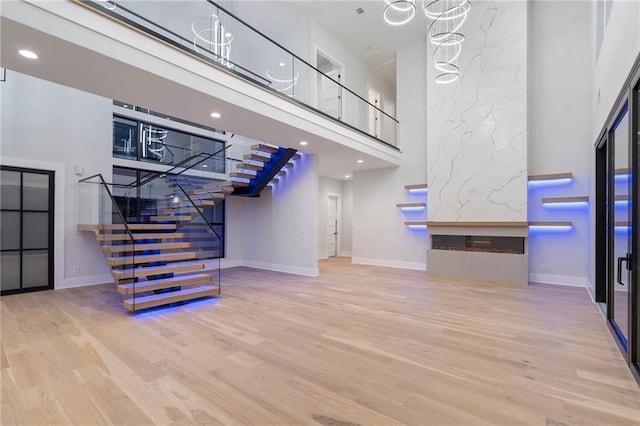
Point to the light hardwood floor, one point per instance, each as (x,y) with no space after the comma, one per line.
(357,345)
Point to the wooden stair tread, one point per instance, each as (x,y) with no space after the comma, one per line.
(282,173)
(240,184)
(146,271)
(145,246)
(416,186)
(243,175)
(168,257)
(185,209)
(171,218)
(139,236)
(132,226)
(143,286)
(264,148)
(171,297)
(257,156)
(255,167)
(411,205)
(572,199)
(551,176)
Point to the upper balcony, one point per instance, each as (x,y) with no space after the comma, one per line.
(192,64)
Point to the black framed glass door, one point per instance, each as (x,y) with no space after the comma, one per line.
(619,203)
(26,229)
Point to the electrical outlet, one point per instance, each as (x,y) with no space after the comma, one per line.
(76,269)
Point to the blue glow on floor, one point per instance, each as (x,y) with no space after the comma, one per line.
(417,191)
(548,229)
(567,205)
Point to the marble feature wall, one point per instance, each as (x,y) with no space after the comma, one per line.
(477,126)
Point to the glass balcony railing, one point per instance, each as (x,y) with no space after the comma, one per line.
(210,32)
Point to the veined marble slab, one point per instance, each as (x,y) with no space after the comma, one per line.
(477,126)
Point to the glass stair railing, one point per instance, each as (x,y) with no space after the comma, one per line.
(211,33)
(156,239)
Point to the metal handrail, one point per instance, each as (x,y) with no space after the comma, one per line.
(134,24)
(295,56)
(113,203)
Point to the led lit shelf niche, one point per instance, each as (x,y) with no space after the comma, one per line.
(418,188)
(575,201)
(416,224)
(411,207)
(551,226)
(551,179)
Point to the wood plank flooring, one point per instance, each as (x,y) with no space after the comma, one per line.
(358,345)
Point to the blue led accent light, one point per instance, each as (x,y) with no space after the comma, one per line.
(622,203)
(412,209)
(417,191)
(567,205)
(417,227)
(547,229)
(549,182)
(620,229)
(622,177)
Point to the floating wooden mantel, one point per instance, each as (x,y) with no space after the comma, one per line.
(416,186)
(401,205)
(575,199)
(478,224)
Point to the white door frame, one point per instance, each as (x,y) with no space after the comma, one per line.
(338,198)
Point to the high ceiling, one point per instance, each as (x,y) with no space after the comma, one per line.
(367,34)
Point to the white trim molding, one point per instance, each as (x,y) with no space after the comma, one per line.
(558,280)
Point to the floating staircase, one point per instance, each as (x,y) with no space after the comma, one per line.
(145,264)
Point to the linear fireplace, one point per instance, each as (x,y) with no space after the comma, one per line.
(485,244)
(485,251)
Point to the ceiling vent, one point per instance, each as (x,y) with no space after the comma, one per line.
(360,11)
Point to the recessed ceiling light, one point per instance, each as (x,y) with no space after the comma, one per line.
(28,54)
(347,176)
(360,161)
(205,166)
(216,115)
(126,106)
(281,64)
(304,143)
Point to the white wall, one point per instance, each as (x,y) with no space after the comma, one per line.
(48,126)
(280,230)
(620,47)
(379,234)
(559,140)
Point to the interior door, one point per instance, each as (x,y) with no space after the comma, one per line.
(330,94)
(332,226)
(26,230)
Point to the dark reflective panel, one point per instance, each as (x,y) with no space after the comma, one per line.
(10,270)
(10,230)
(35,230)
(35,191)
(9,190)
(35,268)
(622,227)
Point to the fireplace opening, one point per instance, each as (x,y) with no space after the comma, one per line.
(510,245)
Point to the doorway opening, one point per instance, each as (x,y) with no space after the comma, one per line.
(329,89)
(333,225)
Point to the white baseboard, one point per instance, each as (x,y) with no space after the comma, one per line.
(323,256)
(590,291)
(308,272)
(230,263)
(85,281)
(418,266)
(345,254)
(558,280)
